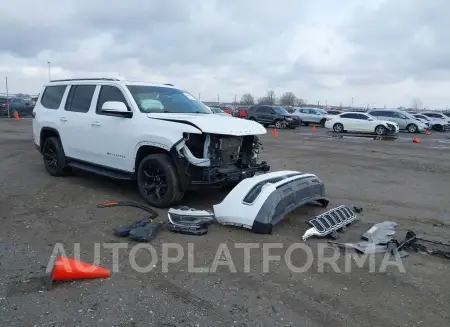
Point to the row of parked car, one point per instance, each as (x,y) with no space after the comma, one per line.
(378,121)
(12,105)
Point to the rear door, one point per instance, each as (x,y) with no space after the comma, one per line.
(75,122)
(348,120)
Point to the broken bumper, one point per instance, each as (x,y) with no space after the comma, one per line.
(261,202)
(218,176)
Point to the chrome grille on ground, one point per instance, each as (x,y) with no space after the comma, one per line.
(329,222)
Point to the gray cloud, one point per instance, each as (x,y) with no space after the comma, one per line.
(315,48)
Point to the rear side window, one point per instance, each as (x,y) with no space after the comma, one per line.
(349,116)
(52,97)
(80,98)
(109,93)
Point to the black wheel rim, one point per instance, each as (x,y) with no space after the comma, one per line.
(154,182)
(50,156)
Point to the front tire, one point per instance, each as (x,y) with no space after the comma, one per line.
(380,130)
(278,124)
(412,128)
(338,128)
(158,180)
(54,157)
(322,122)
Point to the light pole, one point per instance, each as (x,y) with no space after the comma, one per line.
(49,73)
(352,101)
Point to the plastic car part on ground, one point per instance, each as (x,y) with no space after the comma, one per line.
(413,242)
(376,240)
(260,202)
(143,230)
(331,222)
(186,220)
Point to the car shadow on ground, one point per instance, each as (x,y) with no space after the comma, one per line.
(201,198)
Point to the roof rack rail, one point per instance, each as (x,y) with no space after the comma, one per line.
(168,84)
(85,79)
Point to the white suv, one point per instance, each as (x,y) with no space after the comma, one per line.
(156,134)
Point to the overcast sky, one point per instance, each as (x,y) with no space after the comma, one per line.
(381,52)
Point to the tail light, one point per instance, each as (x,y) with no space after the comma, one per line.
(329,118)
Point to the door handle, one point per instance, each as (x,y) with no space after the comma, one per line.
(63,119)
(95,123)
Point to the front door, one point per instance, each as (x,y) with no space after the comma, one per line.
(111,143)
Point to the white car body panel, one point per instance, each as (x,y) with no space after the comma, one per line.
(214,124)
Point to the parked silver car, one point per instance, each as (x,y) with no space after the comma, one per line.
(404,120)
(311,115)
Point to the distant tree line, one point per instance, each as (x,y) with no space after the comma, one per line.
(286,99)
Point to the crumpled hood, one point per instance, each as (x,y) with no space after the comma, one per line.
(214,124)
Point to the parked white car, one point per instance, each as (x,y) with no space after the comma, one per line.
(437,124)
(360,123)
(156,134)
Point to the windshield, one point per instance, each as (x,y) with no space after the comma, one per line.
(281,110)
(157,99)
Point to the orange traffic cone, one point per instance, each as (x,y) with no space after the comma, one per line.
(275,133)
(427,132)
(70,269)
(16,116)
(416,140)
(313,128)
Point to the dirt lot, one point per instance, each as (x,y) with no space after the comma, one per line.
(392,180)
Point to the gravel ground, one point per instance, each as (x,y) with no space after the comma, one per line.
(392,180)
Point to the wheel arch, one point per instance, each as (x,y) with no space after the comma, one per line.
(146,148)
(45,133)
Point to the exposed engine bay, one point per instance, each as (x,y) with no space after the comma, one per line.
(221,156)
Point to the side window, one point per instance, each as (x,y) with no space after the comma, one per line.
(312,111)
(375,113)
(109,93)
(361,117)
(52,96)
(347,116)
(260,110)
(304,111)
(396,115)
(80,98)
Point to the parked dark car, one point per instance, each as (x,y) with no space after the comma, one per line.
(15,105)
(273,115)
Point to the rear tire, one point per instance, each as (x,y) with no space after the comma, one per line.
(306,124)
(55,161)
(412,128)
(338,128)
(380,130)
(158,180)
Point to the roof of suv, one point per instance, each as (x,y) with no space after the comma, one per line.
(104,79)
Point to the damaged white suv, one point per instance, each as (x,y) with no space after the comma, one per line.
(157,134)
